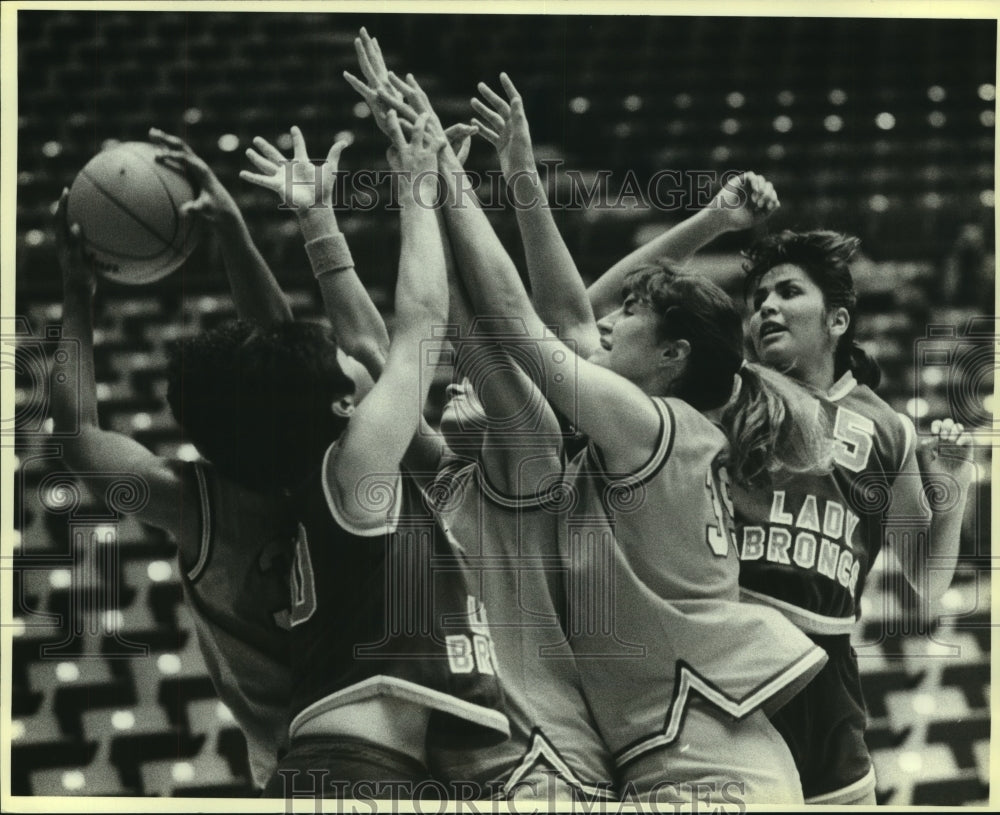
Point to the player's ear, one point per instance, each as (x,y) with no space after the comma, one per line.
(838,320)
(343,407)
(674,351)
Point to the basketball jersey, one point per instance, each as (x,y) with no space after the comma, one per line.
(554,751)
(386,611)
(807,545)
(655,619)
(238,598)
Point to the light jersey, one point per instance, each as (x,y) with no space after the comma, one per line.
(237,593)
(660,636)
(387,611)
(554,752)
(807,543)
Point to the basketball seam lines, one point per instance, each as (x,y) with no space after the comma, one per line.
(166,191)
(131,214)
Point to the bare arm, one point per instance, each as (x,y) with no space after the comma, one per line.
(357,324)
(256,293)
(942,459)
(557,290)
(74,404)
(383,425)
(744,201)
(616,414)
(510,388)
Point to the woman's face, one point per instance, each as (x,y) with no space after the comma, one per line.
(790,328)
(629,344)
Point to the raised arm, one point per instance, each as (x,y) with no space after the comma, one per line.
(744,201)
(256,294)
(383,425)
(557,291)
(308,190)
(74,403)
(943,458)
(510,389)
(616,414)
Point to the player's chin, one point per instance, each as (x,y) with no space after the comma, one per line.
(459,429)
(600,356)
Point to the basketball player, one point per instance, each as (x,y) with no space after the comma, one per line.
(376,678)
(233,544)
(684,635)
(808,333)
(803,323)
(497,445)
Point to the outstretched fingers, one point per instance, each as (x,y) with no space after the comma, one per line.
(494,98)
(398,105)
(487,133)
(165,139)
(299,151)
(268,150)
(493,119)
(508,87)
(261,163)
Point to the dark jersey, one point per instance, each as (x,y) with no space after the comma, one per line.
(807,545)
(238,598)
(386,611)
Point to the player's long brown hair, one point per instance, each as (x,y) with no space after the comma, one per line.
(825,257)
(771,423)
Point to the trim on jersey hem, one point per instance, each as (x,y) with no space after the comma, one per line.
(851,792)
(408,691)
(688,681)
(661,451)
(541,747)
(808,621)
(339,516)
(205,542)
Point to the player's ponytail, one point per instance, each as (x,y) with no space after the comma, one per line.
(774,424)
(771,423)
(852,357)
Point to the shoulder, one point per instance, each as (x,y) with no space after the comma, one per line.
(379,495)
(894,433)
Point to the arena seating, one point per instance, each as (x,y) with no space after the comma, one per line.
(883,128)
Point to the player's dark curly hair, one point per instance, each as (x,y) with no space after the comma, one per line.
(825,257)
(256,401)
(772,423)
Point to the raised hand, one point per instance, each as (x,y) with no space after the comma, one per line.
(214,203)
(505,126)
(409,101)
(374,70)
(745,201)
(298,182)
(419,154)
(77,271)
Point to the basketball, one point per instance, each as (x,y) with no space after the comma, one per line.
(127,205)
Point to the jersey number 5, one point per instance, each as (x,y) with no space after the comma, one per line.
(719,535)
(853,433)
